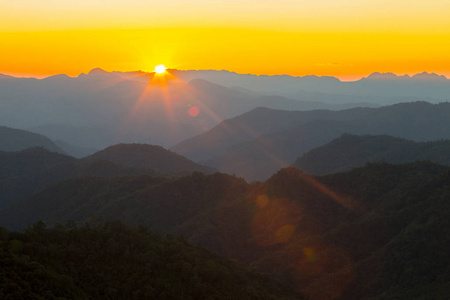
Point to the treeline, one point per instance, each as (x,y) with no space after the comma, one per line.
(115,261)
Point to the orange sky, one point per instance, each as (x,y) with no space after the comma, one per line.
(343,38)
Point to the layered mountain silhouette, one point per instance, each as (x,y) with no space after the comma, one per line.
(28,171)
(151,157)
(375,232)
(12,139)
(257,144)
(99,109)
(351,151)
(381,88)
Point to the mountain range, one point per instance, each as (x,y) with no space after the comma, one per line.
(25,172)
(257,144)
(99,109)
(327,190)
(351,151)
(380,88)
(375,232)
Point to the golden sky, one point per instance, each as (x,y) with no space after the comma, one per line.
(343,38)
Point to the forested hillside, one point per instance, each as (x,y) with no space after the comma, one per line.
(114,261)
(351,151)
(378,232)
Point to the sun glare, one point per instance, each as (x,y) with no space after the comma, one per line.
(159,69)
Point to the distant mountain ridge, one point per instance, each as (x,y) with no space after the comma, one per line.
(12,139)
(351,151)
(100,109)
(420,85)
(257,144)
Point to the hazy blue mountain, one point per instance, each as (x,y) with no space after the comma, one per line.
(12,139)
(351,151)
(102,108)
(377,88)
(257,144)
(75,151)
(255,123)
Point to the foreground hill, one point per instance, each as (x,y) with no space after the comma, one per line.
(15,140)
(377,232)
(350,151)
(149,156)
(259,143)
(114,261)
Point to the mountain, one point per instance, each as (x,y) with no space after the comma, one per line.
(75,151)
(28,171)
(351,151)
(255,123)
(12,139)
(257,144)
(377,88)
(29,161)
(378,232)
(111,261)
(99,109)
(150,157)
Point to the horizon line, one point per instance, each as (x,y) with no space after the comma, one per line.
(340,78)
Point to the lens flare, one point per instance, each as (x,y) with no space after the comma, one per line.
(193,111)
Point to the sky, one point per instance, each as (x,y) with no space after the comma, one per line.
(347,39)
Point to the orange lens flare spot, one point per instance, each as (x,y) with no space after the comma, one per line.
(275,220)
(310,256)
(262,201)
(284,234)
(193,111)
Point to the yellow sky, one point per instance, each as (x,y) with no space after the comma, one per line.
(347,39)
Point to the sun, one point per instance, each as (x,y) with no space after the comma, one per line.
(159,69)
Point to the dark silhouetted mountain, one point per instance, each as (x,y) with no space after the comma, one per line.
(26,172)
(351,151)
(151,157)
(15,140)
(29,161)
(378,232)
(257,144)
(113,260)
